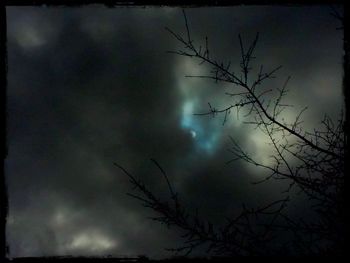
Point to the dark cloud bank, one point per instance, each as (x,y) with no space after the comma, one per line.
(90,86)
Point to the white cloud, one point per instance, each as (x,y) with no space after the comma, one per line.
(29,37)
(91,241)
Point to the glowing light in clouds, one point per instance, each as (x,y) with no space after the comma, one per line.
(205,132)
(194,134)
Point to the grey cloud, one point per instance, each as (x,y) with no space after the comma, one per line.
(100,88)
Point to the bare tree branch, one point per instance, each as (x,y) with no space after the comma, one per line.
(311,161)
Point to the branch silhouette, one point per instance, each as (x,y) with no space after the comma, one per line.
(312,162)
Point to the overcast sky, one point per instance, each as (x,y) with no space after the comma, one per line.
(90,86)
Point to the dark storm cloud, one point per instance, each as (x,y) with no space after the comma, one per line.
(85,105)
(91,86)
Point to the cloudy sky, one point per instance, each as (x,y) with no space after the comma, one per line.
(90,86)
